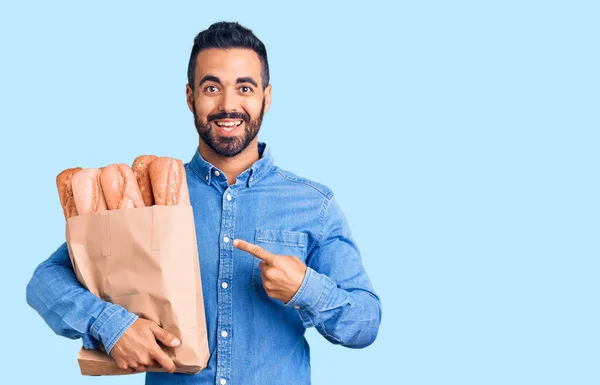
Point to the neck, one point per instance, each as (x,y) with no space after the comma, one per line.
(231,166)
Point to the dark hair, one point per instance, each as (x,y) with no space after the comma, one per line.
(226,35)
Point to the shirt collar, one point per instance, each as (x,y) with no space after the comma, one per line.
(250,176)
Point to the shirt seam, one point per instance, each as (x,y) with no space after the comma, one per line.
(277,242)
(302,288)
(108,347)
(325,192)
(324,209)
(104,316)
(325,293)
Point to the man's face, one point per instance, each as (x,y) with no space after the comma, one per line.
(228,101)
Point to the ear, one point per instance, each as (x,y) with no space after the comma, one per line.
(267,97)
(189,97)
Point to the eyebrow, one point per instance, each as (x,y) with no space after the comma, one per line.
(211,78)
(247,80)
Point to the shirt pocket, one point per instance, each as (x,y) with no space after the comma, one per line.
(284,242)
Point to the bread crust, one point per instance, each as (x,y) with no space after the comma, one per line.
(120,187)
(142,176)
(65,191)
(169,183)
(87,191)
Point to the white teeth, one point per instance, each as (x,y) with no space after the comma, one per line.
(229,124)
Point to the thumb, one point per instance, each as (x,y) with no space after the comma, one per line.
(164,336)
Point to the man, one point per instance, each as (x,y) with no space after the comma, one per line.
(276,252)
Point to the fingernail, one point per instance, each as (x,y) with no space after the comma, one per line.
(235,242)
(175,342)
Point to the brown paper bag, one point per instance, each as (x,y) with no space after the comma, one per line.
(146,260)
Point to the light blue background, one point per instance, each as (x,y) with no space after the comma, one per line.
(461,139)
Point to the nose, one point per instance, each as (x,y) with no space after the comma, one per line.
(228,102)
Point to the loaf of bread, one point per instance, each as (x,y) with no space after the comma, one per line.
(87,191)
(151,180)
(65,191)
(142,176)
(169,183)
(120,187)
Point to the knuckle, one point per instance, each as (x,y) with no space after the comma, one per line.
(271,275)
(138,357)
(161,332)
(142,324)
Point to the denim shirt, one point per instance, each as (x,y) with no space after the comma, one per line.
(253,339)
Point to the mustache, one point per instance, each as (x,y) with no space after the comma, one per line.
(229,115)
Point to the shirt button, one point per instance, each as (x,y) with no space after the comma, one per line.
(224,333)
(206,177)
(224,285)
(225,239)
(296,307)
(223,381)
(228,197)
(217,173)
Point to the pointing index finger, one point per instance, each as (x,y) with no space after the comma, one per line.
(255,250)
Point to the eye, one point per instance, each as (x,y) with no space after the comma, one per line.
(245,89)
(211,89)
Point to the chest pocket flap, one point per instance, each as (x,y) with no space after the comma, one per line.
(293,239)
(284,242)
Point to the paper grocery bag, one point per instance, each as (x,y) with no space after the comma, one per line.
(146,260)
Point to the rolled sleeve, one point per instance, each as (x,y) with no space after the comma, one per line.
(336,296)
(313,292)
(111,325)
(70,309)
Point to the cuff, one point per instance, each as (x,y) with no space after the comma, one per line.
(111,325)
(313,292)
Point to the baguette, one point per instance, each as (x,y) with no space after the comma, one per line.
(169,183)
(120,187)
(142,176)
(65,191)
(87,191)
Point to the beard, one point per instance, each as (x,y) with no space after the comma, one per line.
(228,146)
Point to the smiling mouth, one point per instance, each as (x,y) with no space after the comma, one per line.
(228,125)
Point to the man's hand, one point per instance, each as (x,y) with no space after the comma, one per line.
(137,349)
(282,275)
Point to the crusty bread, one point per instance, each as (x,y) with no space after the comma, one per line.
(87,191)
(169,183)
(142,176)
(120,187)
(65,191)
